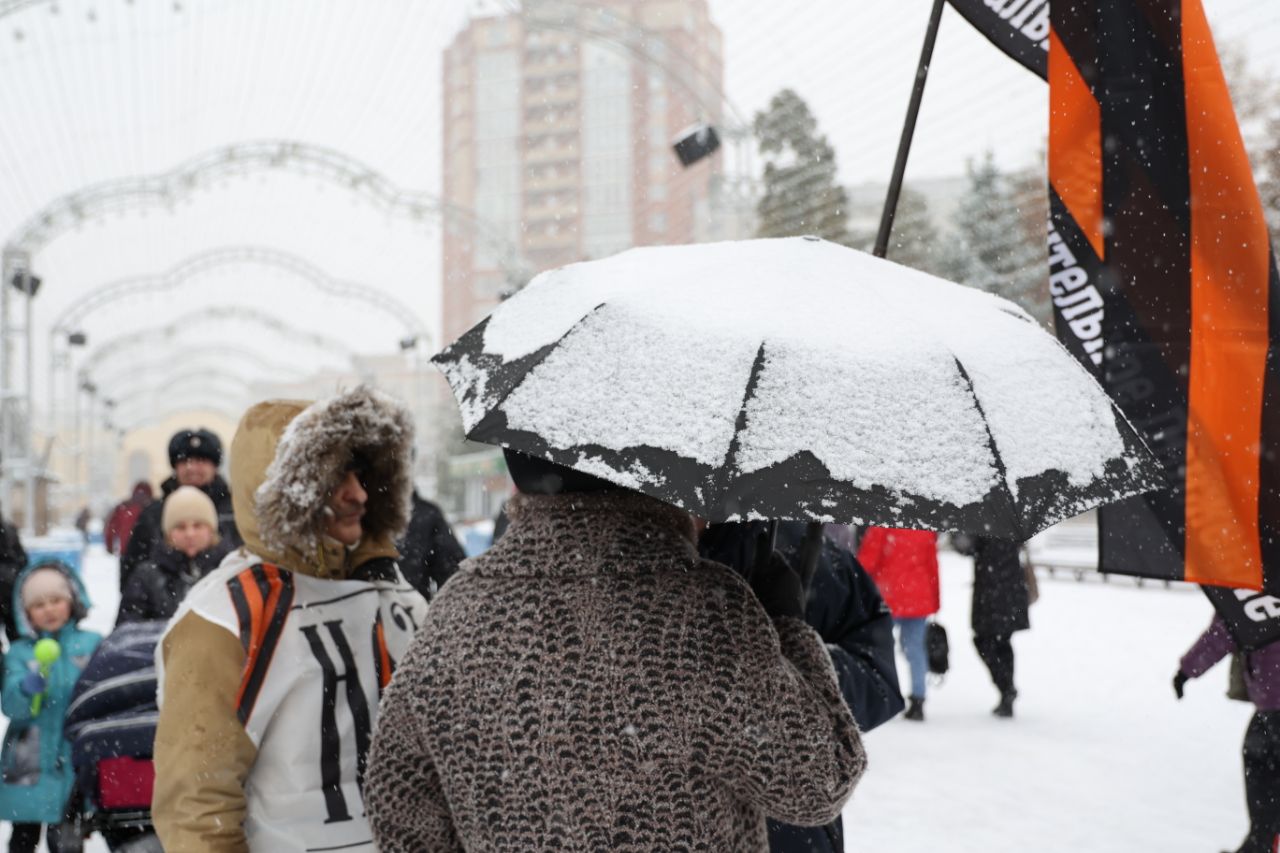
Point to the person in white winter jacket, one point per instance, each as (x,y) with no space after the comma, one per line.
(271,671)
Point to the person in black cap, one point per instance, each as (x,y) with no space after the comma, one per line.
(195,456)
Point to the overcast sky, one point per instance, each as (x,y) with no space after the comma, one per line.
(106,89)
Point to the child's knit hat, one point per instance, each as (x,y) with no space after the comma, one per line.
(44,584)
(188,503)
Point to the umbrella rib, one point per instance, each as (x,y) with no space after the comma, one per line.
(991,443)
(530,362)
(740,425)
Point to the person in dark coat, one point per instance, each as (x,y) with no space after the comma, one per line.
(13,559)
(190,551)
(1261,739)
(429,552)
(195,456)
(119,524)
(1001,603)
(846,609)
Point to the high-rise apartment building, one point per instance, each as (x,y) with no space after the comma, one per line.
(558,124)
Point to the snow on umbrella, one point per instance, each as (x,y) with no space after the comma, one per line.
(797,379)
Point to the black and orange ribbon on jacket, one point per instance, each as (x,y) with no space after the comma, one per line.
(1164,281)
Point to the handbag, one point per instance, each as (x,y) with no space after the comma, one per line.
(937,648)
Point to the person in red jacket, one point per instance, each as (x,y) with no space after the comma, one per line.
(904,565)
(120,523)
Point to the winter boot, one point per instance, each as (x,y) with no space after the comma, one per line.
(915,711)
(1005,708)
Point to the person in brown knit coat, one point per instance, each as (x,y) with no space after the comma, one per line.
(590,683)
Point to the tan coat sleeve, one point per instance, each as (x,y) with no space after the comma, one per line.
(202,752)
(788,742)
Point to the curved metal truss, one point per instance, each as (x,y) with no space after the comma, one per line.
(222,353)
(231,256)
(204,381)
(160,334)
(167,188)
(8,7)
(178,407)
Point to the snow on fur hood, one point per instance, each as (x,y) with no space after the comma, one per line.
(288,456)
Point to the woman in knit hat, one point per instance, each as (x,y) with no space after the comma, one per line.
(191,549)
(35,762)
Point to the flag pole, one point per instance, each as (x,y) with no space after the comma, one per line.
(812,549)
(908,131)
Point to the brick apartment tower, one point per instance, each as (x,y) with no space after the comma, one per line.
(558,124)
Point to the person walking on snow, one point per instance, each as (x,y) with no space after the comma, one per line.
(191,550)
(119,525)
(1001,605)
(195,456)
(269,674)
(904,565)
(35,762)
(1262,738)
(589,683)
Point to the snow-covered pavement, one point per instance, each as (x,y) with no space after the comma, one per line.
(1100,758)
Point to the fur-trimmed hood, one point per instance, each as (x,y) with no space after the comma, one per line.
(288,456)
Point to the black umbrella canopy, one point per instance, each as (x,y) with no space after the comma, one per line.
(797,379)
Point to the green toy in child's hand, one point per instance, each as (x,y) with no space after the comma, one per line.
(47,652)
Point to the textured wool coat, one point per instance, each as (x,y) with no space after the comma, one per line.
(590,683)
(846,610)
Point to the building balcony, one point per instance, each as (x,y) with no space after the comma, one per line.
(564,181)
(551,154)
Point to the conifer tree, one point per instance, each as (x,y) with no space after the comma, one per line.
(800,195)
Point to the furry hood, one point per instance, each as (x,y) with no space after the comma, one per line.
(287,457)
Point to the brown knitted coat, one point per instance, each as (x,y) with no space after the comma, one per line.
(591,684)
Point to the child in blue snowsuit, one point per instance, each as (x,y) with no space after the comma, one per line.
(36,775)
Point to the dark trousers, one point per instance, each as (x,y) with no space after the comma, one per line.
(996,652)
(1262,781)
(26,837)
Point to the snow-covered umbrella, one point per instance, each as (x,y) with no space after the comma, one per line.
(797,379)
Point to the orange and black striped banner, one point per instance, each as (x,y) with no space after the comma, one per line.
(1164,283)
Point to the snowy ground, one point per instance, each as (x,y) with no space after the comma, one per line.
(1100,758)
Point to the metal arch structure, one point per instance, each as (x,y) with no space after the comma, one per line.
(218,382)
(232,256)
(160,381)
(223,352)
(167,188)
(168,331)
(230,412)
(8,7)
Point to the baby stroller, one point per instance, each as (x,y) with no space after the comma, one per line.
(111,723)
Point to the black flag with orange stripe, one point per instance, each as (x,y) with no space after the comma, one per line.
(1018,27)
(1164,283)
